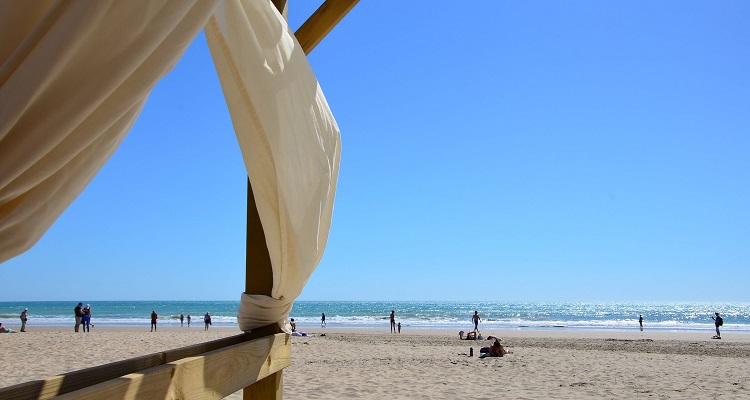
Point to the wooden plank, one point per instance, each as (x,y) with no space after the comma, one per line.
(322,21)
(260,390)
(271,387)
(213,375)
(200,348)
(71,381)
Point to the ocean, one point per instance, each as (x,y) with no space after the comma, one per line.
(665,316)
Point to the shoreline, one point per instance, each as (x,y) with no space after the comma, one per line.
(532,331)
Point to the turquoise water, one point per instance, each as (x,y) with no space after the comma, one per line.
(683,316)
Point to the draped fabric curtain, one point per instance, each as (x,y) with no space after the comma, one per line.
(74,75)
(290,143)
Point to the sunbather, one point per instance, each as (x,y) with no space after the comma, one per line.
(496,350)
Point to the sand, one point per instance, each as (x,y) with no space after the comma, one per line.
(433,364)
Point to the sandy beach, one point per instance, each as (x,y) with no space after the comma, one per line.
(434,364)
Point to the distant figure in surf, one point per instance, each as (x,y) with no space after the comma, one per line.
(475,319)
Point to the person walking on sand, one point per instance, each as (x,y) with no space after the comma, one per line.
(718,321)
(207,320)
(640,321)
(79,315)
(323,320)
(475,319)
(182,318)
(24,317)
(154,317)
(393,321)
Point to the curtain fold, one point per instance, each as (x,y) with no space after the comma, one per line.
(73,79)
(290,143)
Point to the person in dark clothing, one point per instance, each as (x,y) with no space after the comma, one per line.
(718,321)
(207,321)
(154,317)
(79,315)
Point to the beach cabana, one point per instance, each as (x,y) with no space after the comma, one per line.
(73,80)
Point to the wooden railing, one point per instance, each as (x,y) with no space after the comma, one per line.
(211,370)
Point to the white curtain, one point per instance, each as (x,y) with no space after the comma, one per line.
(72,84)
(290,143)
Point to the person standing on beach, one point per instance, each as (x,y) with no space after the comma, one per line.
(718,321)
(182,318)
(154,317)
(475,319)
(399,327)
(323,320)
(640,321)
(207,320)
(393,321)
(189,320)
(24,317)
(86,319)
(79,315)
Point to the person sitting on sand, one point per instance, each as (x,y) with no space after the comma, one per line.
(293,324)
(5,330)
(496,350)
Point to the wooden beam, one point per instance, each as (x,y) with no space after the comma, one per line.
(72,381)
(213,375)
(322,21)
(76,380)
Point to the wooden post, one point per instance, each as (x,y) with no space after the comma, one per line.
(258,271)
(259,278)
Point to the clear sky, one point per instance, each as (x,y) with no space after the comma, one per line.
(492,150)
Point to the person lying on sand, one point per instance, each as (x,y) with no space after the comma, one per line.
(5,330)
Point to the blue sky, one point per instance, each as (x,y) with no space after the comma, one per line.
(541,150)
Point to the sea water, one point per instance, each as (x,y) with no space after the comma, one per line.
(666,316)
